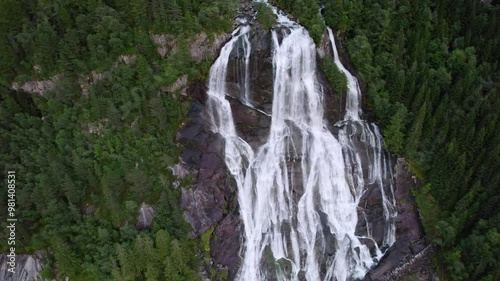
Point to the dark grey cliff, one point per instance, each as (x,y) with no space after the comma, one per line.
(211,203)
(410,244)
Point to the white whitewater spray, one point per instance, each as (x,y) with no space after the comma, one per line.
(243,71)
(297,194)
(247,48)
(353,108)
(367,136)
(292,230)
(237,153)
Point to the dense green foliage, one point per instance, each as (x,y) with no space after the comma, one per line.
(336,78)
(432,73)
(86,162)
(306,12)
(80,36)
(265,15)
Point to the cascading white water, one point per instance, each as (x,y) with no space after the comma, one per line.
(352,108)
(380,170)
(237,151)
(243,73)
(247,50)
(297,194)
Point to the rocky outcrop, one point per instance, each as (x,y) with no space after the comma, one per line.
(40,87)
(37,86)
(145,217)
(166,43)
(210,202)
(324,48)
(28,268)
(202,48)
(98,127)
(179,85)
(126,59)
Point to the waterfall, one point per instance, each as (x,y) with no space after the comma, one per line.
(368,137)
(243,72)
(352,108)
(299,192)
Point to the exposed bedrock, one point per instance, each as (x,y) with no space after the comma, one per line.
(27,267)
(211,201)
(409,232)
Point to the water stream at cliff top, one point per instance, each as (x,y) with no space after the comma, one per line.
(299,192)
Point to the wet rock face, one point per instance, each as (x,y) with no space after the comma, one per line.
(211,201)
(409,232)
(370,209)
(260,71)
(252,122)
